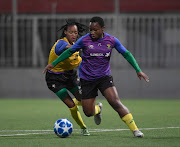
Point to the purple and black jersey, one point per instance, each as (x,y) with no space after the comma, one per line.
(96,55)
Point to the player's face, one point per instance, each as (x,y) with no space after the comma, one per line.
(71,33)
(96,30)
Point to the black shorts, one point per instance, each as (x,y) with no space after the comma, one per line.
(90,88)
(56,82)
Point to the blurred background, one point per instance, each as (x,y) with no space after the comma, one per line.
(149,29)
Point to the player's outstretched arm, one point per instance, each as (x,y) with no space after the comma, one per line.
(129,57)
(143,75)
(67,53)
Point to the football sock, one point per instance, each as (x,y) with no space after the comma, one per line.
(77,116)
(62,93)
(77,102)
(97,109)
(128,119)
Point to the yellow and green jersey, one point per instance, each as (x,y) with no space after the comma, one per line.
(70,63)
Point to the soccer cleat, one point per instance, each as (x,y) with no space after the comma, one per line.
(85,132)
(138,133)
(97,117)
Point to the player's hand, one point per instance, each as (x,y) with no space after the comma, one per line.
(48,67)
(68,46)
(141,74)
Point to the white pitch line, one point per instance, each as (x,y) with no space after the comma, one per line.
(25,130)
(24,134)
(74,130)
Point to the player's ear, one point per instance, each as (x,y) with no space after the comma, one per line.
(103,28)
(65,32)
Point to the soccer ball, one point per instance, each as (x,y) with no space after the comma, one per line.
(63,127)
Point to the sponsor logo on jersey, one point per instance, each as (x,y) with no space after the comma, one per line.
(100,54)
(96,54)
(91,46)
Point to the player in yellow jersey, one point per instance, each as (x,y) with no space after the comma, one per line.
(63,77)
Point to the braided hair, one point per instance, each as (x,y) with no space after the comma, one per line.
(81,28)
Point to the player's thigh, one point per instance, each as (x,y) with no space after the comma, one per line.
(88,106)
(73,86)
(54,82)
(89,89)
(112,97)
(89,93)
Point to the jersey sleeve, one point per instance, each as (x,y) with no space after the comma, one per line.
(60,47)
(77,45)
(119,47)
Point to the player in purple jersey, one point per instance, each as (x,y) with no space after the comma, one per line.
(95,72)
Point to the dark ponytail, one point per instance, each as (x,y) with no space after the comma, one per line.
(81,28)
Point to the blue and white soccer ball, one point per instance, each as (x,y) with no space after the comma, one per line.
(63,127)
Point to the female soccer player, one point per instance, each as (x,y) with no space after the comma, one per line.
(95,72)
(64,77)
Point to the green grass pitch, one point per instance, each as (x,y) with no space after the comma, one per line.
(29,123)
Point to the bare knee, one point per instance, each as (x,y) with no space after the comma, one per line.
(88,107)
(88,113)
